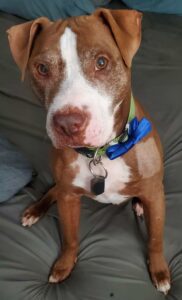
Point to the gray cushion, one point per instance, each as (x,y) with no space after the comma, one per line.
(15,170)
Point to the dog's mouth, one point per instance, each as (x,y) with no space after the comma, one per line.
(73,141)
(77,128)
(79,139)
(60,140)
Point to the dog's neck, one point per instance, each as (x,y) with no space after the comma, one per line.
(91,151)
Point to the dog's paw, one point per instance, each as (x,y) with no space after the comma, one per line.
(138,208)
(30,216)
(160,273)
(28,221)
(63,267)
(163,287)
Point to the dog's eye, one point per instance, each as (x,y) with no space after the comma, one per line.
(101,63)
(43,69)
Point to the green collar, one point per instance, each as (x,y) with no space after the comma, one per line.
(132,110)
(90,151)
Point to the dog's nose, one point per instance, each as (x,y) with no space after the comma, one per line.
(70,123)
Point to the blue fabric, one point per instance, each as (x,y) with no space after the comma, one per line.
(136,132)
(15,170)
(158,6)
(53,9)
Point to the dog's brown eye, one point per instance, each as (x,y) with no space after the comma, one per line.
(43,69)
(101,63)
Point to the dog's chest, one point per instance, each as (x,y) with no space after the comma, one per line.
(119,175)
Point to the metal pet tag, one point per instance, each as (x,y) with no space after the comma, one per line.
(98,185)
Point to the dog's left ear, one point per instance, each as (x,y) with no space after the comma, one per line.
(21,38)
(125,26)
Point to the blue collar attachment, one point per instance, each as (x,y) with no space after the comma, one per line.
(133,133)
(136,131)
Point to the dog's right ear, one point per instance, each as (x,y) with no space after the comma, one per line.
(21,38)
(125,26)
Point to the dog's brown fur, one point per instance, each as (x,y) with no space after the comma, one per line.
(122,34)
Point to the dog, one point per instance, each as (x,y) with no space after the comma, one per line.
(104,144)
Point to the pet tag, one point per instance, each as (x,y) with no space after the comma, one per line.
(98,185)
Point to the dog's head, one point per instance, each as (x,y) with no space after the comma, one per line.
(80,69)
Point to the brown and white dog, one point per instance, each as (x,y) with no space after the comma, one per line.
(81,70)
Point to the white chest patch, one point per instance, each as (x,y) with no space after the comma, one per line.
(118,175)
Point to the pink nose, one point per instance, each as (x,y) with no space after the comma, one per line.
(70,123)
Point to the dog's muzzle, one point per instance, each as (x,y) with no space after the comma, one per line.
(68,127)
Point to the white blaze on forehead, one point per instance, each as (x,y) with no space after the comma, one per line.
(75,90)
(68,47)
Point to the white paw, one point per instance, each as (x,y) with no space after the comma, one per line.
(163,287)
(138,208)
(29,221)
(52,279)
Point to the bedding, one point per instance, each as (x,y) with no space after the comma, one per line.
(112,256)
(54,9)
(157,6)
(15,170)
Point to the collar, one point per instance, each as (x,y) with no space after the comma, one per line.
(133,132)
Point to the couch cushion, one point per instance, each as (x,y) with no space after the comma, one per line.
(15,170)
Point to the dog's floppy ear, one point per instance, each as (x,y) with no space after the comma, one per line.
(21,38)
(125,26)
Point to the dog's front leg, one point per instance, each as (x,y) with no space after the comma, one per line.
(154,210)
(69,214)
